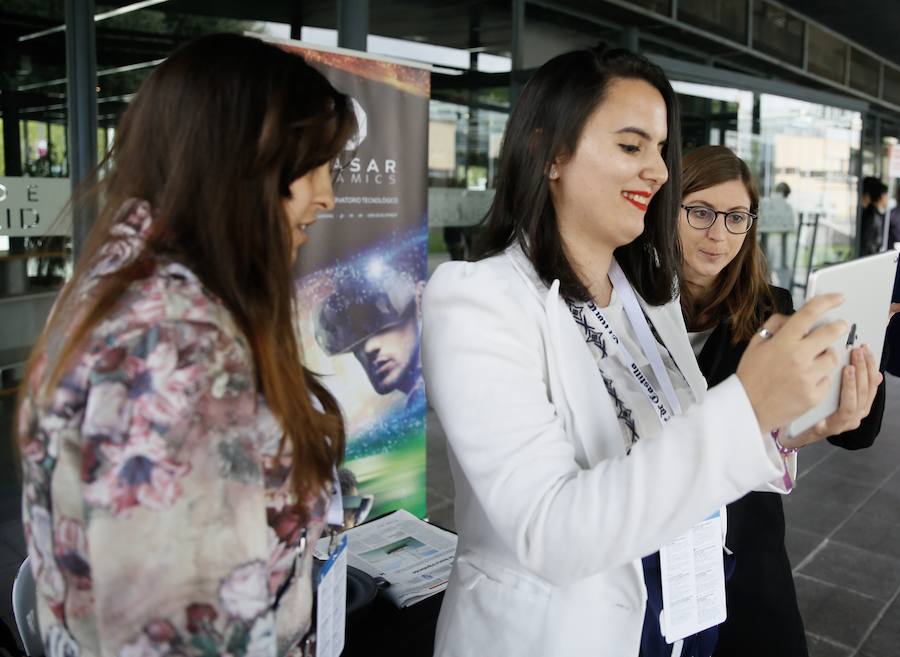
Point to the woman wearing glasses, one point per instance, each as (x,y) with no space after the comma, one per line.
(725,299)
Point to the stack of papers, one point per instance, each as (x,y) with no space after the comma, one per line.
(413,556)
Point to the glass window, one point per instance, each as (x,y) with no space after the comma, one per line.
(725,17)
(777,32)
(827,54)
(891,92)
(813,149)
(463,145)
(715,115)
(890,139)
(463,153)
(35,261)
(869,150)
(864,72)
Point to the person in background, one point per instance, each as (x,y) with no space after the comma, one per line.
(724,296)
(777,216)
(458,240)
(892,340)
(894,226)
(571,456)
(873,216)
(869,183)
(178,459)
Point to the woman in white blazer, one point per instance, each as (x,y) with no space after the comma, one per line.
(567,470)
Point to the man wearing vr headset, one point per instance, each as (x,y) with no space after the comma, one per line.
(376,314)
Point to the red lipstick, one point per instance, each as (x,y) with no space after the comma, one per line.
(640,206)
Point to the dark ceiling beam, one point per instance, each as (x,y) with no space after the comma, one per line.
(469,80)
(461,98)
(715,40)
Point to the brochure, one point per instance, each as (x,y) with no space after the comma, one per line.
(413,556)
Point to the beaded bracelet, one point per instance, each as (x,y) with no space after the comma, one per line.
(784,451)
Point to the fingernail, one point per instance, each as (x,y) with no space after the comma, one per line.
(851,371)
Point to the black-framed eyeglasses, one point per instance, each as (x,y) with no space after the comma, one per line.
(702,217)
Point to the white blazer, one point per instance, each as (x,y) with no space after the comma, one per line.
(553,518)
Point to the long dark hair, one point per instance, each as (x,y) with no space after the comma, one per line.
(212,140)
(545,124)
(740,293)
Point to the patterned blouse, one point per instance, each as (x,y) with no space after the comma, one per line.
(159,518)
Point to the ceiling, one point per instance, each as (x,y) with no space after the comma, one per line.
(873,24)
(486,25)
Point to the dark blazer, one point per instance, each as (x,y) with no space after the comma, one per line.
(763,616)
(872,222)
(892,340)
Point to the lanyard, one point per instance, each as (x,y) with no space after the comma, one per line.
(638,322)
(335,516)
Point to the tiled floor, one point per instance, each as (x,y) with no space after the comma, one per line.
(844,542)
(843,535)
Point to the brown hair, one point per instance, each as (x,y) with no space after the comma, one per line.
(740,293)
(213,140)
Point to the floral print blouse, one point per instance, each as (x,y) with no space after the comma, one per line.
(160,519)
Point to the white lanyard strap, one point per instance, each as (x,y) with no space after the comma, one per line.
(639,324)
(335,515)
(656,401)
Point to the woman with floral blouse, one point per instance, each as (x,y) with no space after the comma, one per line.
(176,453)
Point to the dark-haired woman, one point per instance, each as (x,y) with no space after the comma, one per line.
(581,434)
(177,455)
(725,298)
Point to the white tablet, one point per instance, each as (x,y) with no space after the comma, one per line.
(867,284)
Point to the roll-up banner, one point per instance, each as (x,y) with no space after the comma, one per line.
(361,275)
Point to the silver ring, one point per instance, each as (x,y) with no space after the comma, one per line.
(764,333)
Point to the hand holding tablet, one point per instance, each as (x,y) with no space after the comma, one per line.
(859,385)
(866,285)
(786,368)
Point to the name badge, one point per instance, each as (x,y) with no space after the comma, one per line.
(331,602)
(693,581)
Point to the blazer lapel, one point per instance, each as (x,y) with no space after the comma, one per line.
(571,368)
(712,359)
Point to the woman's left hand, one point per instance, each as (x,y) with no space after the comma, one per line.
(859,384)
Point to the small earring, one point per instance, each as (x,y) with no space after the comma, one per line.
(554,173)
